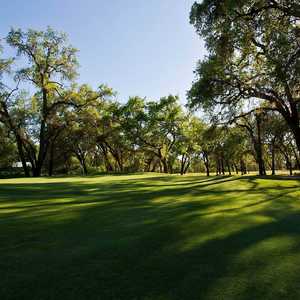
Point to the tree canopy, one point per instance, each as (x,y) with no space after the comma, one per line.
(248,84)
(253,59)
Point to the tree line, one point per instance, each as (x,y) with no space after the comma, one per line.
(247,88)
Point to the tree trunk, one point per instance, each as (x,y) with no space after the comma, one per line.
(206,163)
(228,167)
(187,166)
(37,170)
(148,164)
(289,165)
(222,166)
(165,165)
(243,167)
(85,171)
(51,160)
(218,167)
(22,155)
(81,158)
(108,165)
(295,128)
(273,157)
(236,168)
(259,148)
(182,164)
(297,159)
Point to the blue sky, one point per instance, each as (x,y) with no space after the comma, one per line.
(137,47)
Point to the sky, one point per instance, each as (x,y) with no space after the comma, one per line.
(141,48)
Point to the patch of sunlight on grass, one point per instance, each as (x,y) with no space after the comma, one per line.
(272,246)
(197,235)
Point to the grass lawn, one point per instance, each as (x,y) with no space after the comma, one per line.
(150,237)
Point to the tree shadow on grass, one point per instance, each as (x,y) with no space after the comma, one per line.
(134,241)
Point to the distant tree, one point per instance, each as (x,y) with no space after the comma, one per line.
(187,146)
(83,122)
(154,126)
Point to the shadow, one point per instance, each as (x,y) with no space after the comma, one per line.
(149,238)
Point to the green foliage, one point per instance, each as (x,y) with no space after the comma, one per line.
(253,54)
(48,54)
(62,126)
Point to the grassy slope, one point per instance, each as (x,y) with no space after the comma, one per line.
(149,237)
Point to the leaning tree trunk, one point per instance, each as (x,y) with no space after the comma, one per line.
(183,162)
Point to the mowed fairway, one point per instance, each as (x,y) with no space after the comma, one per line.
(150,237)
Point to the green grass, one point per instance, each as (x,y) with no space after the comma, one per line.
(150,237)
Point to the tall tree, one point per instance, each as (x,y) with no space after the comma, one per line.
(51,63)
(253,53)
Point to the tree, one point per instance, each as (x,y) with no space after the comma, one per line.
(187,146)
(154,126)
(253,123)
(51,62)
(83,122)
(254,53)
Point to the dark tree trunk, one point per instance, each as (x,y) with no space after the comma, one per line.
(22,155)
(273,157)
(85,171)
(294,124)
(218,167)
(170,167)
(222,166)
(259,148)
(291,169)
(37,170)
(228,167)
(165,165)
(236,168)
(187,167)
(243,167)
(18,137)
(119,163)
(297,159)
(184,164)
(66,163)
(206,163)
(108,165)
(289,165)
(51,160)
(148,164)
(81,158)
